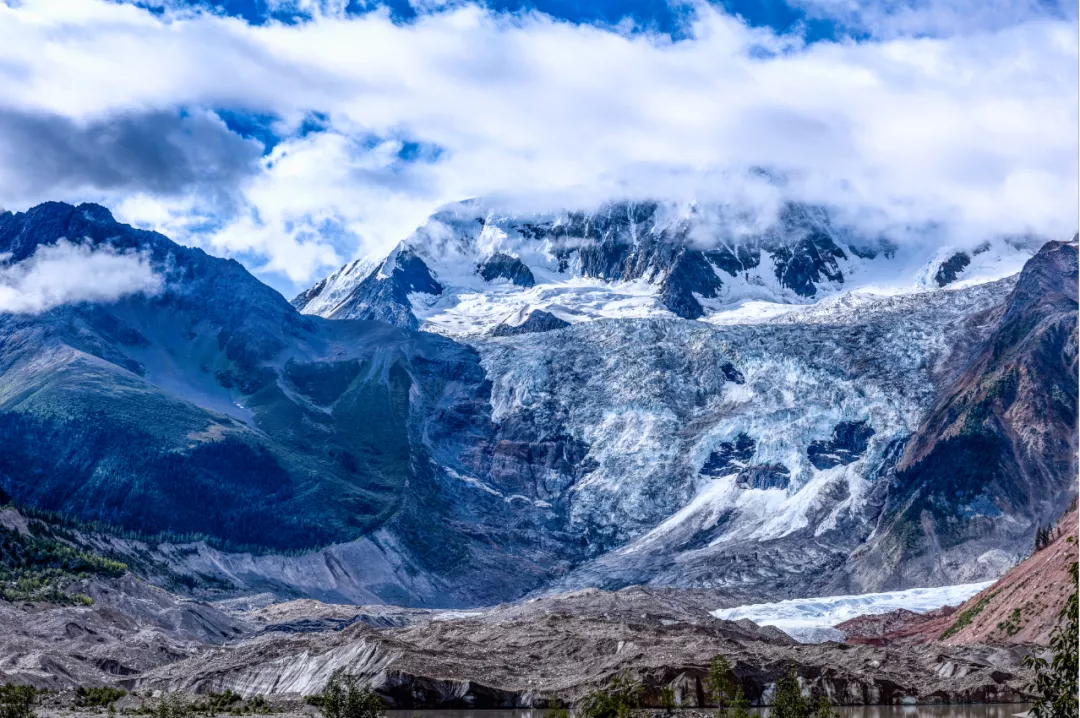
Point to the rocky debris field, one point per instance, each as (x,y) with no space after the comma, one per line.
(130,628)
(525,654)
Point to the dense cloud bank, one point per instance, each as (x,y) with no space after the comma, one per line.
(367,125)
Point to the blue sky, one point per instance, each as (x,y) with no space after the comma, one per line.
(646,14)
(812,20)
(295,135)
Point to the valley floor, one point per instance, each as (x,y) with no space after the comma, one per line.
(977,710)
(520,655)
(118,629)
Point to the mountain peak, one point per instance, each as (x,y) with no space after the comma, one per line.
(483,263)
(22,232)
(95,213)
(88,211)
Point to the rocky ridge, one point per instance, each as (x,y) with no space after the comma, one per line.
(1000,439)
(475,263)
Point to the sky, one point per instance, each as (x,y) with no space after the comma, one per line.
(295,135)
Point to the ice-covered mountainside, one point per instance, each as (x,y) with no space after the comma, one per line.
(751,456)
(472,267)
(811,620)
(327,294)
(736,407)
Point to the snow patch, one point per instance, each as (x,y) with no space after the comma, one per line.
(335,290)
(812,620)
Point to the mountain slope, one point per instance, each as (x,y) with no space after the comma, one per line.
(996,456)
(215,408)
(1022,607)
(756,454)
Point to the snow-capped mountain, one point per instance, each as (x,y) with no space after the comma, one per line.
(789,445)
(743,402)
(473,267)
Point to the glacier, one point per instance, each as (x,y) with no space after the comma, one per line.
(812,620)
(651,401)
(755,450)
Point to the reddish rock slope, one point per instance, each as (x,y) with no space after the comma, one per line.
(1020,608)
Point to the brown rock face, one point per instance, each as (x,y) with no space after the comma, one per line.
(895,627)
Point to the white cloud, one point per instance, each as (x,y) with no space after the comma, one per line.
(67,273)
(941,18)
(976,130)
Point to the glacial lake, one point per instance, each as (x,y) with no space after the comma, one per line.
(978,710)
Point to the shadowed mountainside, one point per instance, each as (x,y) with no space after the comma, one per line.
(215,408)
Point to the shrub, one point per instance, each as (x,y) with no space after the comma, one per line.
(1012,625)
(231,703)
(258,704)
(344,698)
(171,705)
(97,696)
(967,616)
(621,697)
(556,710)
(17,701)
(1055,681)
(667,699)
(215,703)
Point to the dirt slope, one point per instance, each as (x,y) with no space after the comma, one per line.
(1020,608)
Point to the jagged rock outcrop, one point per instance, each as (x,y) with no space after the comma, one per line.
(686,256)
(537,321)
(848,443)
(729,457)
(951,268)
(503,266)
(383,294)
(764,476)
(327,295)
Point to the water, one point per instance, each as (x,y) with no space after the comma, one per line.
(979,710)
